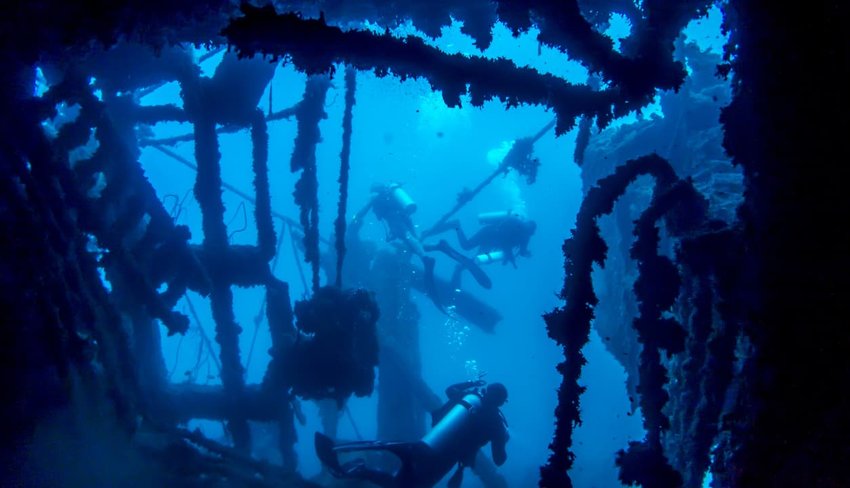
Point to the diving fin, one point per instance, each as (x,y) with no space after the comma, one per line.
(327,454)
(354,468)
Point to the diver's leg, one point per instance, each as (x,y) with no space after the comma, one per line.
(465,243)
(417,468)
(431,282)
(413,244)
(477,273)
(357,469)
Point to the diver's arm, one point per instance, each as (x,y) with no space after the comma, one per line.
(497,447)
(526,231)
(467,243)
(498,442)
(457,391)
(359,217)
(500,455)
(523,248)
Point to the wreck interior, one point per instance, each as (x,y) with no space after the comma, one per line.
(166,163)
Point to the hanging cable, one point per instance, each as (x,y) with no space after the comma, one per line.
(240,210)
(294,243)
(176,357)
(227,186)
(204,338)
(353,423)
(344,167)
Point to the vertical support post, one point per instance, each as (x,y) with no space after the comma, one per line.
(208,194)
(283,335)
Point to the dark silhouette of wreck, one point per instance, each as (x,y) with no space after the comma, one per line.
(753,311)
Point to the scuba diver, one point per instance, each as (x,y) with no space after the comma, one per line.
(503,236)
(392,205)
(467,422)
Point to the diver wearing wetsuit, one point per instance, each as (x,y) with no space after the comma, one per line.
(467,422)
(392,205)
(503,236)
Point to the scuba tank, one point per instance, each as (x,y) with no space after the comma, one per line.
(447,436)
(490,257)
(487,218)
(394,206)
(401,199)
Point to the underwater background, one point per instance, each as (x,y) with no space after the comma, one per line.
(194,194)
(403,132)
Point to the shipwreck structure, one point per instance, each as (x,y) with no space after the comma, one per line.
(737,321)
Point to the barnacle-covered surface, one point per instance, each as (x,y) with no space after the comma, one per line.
(688,135)
(720,273)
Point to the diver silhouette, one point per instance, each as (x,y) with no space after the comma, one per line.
(503,237)
(393,206)
(468,421)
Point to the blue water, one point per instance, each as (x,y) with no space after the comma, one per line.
(404,132)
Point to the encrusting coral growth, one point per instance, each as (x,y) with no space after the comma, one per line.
(747,311)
